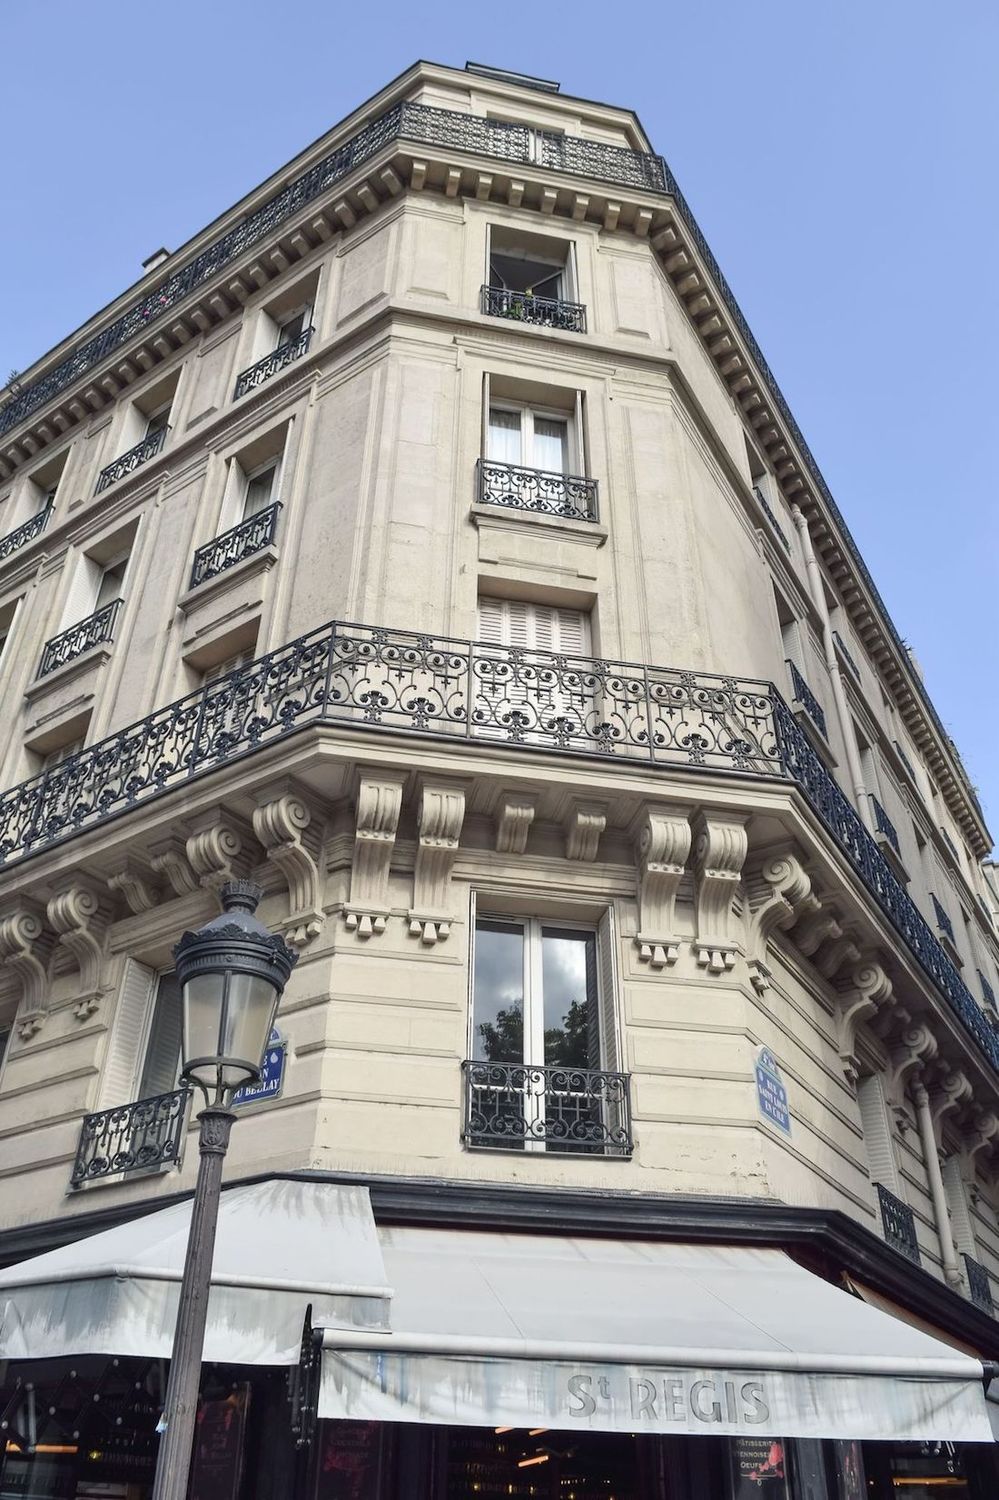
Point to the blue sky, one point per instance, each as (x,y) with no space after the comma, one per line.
(840,157)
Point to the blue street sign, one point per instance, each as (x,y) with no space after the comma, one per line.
(272,1075)
(771,1095)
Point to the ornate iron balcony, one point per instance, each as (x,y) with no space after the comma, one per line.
(284,354)
(950,845)
(131,1138)
(907,763)
(979,1285)
(524,307)
(943,920)
(885,824)
(845,653)
(517,1106)
(804,695)
(224,551)
(93,631)
(768,512)
(538,490)
(988,993)
(132,460)
(898,1224)
(31,528)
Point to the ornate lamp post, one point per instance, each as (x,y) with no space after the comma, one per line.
(231,972)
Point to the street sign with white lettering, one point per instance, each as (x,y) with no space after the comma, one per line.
(771,1095)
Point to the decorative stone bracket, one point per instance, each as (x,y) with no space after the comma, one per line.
(513,822)
(379,803)
(215,850)
(868,992)
(662,846)
(133,880)
(168,857)
(25,947)
(719,855)
(77,915)
(779,894)
(584,825)
(442,812)
(283,825)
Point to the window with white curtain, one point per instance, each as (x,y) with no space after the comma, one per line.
(531,438)
(261,488)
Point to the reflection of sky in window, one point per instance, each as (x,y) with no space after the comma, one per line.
(498,986)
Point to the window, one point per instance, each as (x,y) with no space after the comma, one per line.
(261,489)
(291,328)
(521,271)
(223,668)
(531,438)
(143,1057)
(63,752)
(158,421)
(111,583)
(543,1037)
(545,627)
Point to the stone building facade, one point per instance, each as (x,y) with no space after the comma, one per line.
(429,540)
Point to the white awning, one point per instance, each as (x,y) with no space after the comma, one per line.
(627,1336)
(281,1245)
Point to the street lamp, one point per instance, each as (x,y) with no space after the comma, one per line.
(231,973)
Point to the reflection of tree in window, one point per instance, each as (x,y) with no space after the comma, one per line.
(567,1026)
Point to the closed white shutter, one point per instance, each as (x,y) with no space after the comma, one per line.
(611,1051)
(83,588)
(162,1050)
(129,1027)
(957,1202)
(526,698)
(877,1133)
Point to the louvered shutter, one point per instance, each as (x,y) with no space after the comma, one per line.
(128,1035)
(607,993)
(517,698)
(83,588)
(877,1133)
(957,1202)
(162,1051)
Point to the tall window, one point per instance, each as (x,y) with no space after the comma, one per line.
(530,438)
(261,489)
(143,1057)
(523,271)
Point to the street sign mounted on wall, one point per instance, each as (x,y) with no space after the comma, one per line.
(272,1074)
(771,1095)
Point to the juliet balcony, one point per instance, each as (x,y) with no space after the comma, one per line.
(225,551)
(525,307)
(521,1107)
(885,827)
(21,535)
(139,1137)
(549,494)
(898,1224)
(132,460)
(380,681)
(271,364)
(96,630)
(804,696)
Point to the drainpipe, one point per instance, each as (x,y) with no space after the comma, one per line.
(931,1161)
(818,594)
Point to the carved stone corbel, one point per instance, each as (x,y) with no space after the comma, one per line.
(132,879)
(442,812)
(513,822)
(868,992)
(168,857)
(25,948)
(951,1088)
(838,950)
(662,846)
(379,803)
(215,850)
(911,1049)
(818,927)
(77,915)
(778,893)
(283,825)
(719,855)
(982,1133)
(584,825)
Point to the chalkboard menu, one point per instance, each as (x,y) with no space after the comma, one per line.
(349,1461)
(218,1447)
(759,1468)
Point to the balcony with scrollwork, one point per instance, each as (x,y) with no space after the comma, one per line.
(523,1107)
(525,307)
(233,546)
(128,462)
(25,533)
(272,364)
(979,1284)
(898,1224)
(569,496)
(96,630)
(141,1137)
(803,695)
(380,681)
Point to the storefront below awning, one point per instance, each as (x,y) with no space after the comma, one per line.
(282,1246)
(494,1330)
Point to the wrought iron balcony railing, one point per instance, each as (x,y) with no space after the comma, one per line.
(767,510)
(988,993)
(525,307)
(885,825)
(224,551)
(278,359)
(132,460)
(804,695)
(131,1138)
(898,1224)
(907,763)
(378,680)
(846,654)
(27,532)
(944,922)
(519,1106)
(539,490)
(979,1284)
(950,845)
(95,630)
